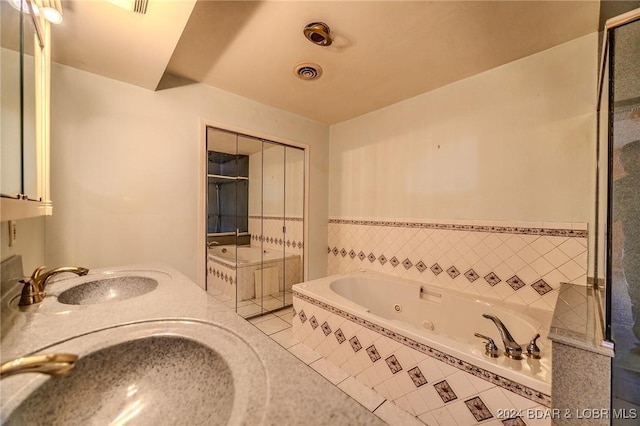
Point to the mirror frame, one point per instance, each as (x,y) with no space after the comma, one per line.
(22,207)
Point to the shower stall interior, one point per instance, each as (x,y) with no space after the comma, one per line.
(617,243)
(255,221)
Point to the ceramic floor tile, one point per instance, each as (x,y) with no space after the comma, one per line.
(329,371)
(247,311)
(272,325)
(369,398)
(394,416)
(262,318)
(302,352)
(284,338)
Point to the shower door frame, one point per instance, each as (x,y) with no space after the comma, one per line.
(201,237)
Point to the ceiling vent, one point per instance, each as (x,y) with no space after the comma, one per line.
(140,6)
(308,71)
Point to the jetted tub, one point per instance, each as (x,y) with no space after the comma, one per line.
(430,320)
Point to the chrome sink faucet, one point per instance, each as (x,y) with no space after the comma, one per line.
(55,365)
(33,290)
(511,348)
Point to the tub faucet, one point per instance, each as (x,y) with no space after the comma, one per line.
(511,348)
(33,290)
(211,244)
(55,365)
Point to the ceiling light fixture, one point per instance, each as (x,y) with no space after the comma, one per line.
(20,5)
(136,6)
(52,11)
(318,33)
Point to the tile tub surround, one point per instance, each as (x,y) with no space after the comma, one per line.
(222,276)
(423,381)
(268,231)
(176,297)
(520,263)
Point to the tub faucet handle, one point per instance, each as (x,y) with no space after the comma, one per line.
(490,347)
(533,351)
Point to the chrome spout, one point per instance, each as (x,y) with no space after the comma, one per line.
(511,348)
(52,364)
(33,290)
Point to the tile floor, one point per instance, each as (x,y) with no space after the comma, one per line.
(277,326)
(251,307)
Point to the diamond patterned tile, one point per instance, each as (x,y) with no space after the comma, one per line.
(335,251)
(339,336)
(420,266)
(355,344)
(314,322)
(492,278)
(361,255)
(393,364)
(515,282)
(352,254)
(382,259)
(417,377)
(394,261)
(436,269)
(444,390)
(478,409)
(407,263)
(303,316)
(325,328)
(515,421)
(343,252)
(371,257)
(541,287)
(453,272)
(471,275)
(373,353)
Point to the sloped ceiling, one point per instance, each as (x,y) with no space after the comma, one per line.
(384,51)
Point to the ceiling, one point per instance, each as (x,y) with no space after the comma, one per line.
(383,51)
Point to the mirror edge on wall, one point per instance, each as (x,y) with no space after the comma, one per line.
(22,207)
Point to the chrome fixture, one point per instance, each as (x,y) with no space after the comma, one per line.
(533,351)
(490,347)
(308,71)
(55,365)
(511,349)
(212,244)
(318,33)
(33,290)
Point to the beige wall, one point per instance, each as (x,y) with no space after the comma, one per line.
(125,172)
(515,143)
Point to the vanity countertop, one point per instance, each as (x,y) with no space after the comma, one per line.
(296,393)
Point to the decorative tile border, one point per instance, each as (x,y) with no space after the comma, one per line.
(212,259)
(507,384)
(277,241)
(549,232)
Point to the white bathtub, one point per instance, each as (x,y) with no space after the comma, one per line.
(433,321)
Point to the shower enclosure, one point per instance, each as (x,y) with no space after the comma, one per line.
(617,245)
(255,221)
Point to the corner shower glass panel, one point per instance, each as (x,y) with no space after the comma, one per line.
(228,193)
(621,161)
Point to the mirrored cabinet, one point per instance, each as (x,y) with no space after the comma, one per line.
(255,220)
(24,144)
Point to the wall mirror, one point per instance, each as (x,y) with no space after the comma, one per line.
(255,221)
(19,141)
